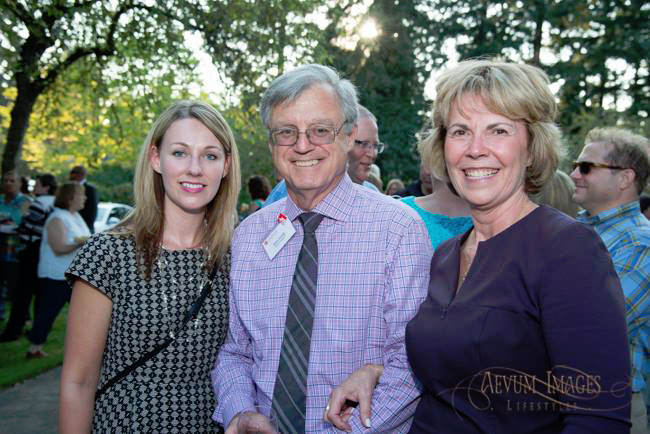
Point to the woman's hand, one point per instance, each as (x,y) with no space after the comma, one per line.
(80,239)
(357,388)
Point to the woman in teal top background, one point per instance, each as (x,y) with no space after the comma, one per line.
(445,214)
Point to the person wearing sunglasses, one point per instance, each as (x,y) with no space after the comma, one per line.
(610,174)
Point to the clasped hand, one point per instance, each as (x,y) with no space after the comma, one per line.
(357,388)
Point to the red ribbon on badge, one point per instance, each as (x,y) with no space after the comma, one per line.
(281,218)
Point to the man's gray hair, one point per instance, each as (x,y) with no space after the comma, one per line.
(365,113)
(290,85)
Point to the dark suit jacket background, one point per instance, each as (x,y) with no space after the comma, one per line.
(89,211)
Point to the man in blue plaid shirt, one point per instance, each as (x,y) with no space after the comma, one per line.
(610,174)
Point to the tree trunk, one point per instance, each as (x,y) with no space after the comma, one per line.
(537,38)
(481,32)
(20,114)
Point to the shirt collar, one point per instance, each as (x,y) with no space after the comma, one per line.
(630,209)
(337,205)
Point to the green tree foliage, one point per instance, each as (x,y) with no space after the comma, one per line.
(104,69)
(95,124)
(252,42)
(603,48)
(252,142)
(99,126)
(96,73)
(389,77)
(594,51)
(43,40)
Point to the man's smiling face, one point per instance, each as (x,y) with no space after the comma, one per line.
(311,171)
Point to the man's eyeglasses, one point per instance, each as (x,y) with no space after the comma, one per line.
(379,147)
(316,135)
(586,166)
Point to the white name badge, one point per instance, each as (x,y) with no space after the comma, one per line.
(278,237)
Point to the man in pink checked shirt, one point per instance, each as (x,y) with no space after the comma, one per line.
(312,302)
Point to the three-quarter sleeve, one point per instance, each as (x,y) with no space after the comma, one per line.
(583,320)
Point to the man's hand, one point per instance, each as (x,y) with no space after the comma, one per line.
(251,422)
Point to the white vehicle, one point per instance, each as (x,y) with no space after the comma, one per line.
(109,214)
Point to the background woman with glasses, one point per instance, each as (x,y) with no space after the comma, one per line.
(523,328)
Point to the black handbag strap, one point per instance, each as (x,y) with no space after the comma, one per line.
(191,313)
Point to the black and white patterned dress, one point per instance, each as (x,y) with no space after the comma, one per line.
(172,392)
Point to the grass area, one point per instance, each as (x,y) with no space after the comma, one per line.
(14,367)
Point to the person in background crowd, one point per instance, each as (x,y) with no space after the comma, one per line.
(393,186)
(376,181)
(421,187)
(24,186)
(243,211)
(13,205)
(89,211)
(30,230)
(161,276)
(375,170)
(443,212)
(644,203)
(374,177)
(558,193)
(307,312)
(610,174)
(527,297)
(366,148)
(360,157)
(63,233)
(259,189)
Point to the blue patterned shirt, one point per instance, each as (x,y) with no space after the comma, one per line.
(626,233)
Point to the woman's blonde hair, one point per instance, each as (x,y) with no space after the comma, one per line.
(392,182)
(516,91)
(558,193)
(146,221)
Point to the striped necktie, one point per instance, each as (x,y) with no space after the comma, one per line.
(290,392)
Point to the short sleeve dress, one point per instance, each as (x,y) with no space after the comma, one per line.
(171,392)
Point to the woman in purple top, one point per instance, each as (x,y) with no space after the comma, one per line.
(523,327)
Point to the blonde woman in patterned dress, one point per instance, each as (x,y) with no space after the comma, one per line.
(133,286)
